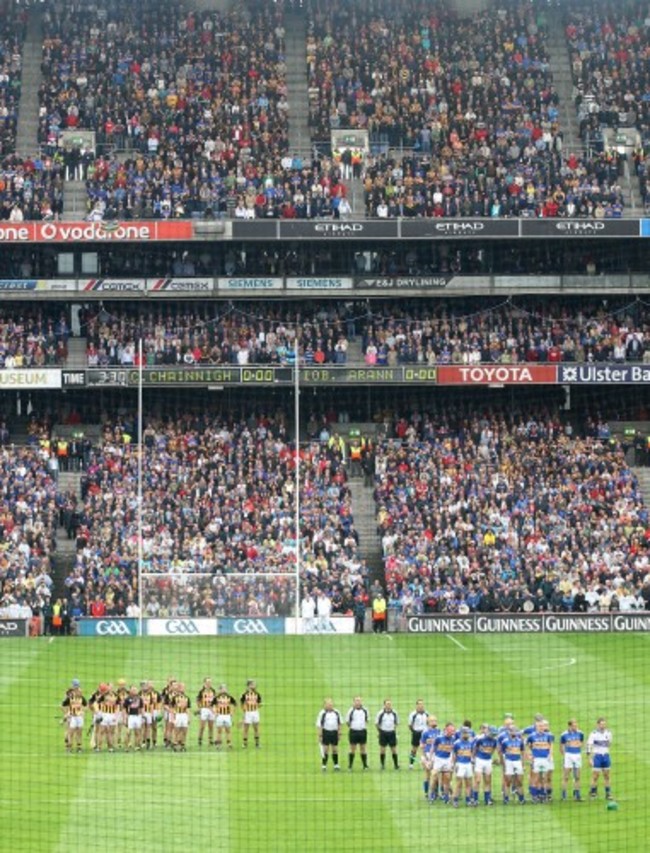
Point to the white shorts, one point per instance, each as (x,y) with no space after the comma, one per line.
(134,722)
(483,766)
(97,718)
(181,721)
(251,718)
(207,715)
(224,721)
(514,768)
(464,770)
(542,765)
(572,761)
(109,720)
(120,717)
(147,717)
(76,722)
(442,765)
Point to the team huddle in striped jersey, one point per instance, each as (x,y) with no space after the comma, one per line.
(130,717)
(458,762)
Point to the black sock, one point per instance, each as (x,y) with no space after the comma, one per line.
(335,758)
(350,759)
(382,758)
(325,756)
(395,759)
(364,759)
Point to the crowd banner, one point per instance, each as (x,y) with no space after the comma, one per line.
(333,625)
(251,626)
(13,628)
(181,626)
(109,627)
(529,623)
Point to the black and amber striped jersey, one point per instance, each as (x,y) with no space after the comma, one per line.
(108,703)
(151,700)
(250,700)
(206,697)
(74,704)
(180,702)
(224,703)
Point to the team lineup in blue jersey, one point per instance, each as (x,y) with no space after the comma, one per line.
(458,763)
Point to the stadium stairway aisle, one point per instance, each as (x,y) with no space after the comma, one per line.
(66,549)
(643,476)
(31,80)
(365,523)
(563,82)
(297,83)
(77,358)
(75,200)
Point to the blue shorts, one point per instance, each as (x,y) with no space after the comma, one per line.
(602,762)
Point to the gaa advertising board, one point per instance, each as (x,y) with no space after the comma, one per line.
(529,623)
(126,627)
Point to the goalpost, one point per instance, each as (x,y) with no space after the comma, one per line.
(180,583)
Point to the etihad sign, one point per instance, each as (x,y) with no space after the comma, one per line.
(91,232)
(498,374)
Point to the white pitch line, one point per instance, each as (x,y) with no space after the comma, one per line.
(50,641)
(457,642)
(388,637)
(570,662)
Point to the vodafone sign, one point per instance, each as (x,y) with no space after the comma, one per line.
(94,232)
(498,374)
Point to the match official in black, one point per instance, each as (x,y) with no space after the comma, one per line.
(328,724)
(386,722)
(357,721)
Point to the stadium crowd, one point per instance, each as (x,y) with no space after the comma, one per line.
(33,337)
(198,97)
(609,47)
(462,331)
(509,332)
(509,510)
(218,501)
(175,335)
(13,21)
(470,99)
(28,522)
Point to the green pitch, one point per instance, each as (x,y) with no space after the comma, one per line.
(277,798)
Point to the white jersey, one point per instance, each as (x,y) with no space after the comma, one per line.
(329,721)
(599,743)
(308,608)
(387,720)
(418,721)
(324,607)
(357,719)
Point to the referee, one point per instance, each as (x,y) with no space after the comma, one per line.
(328,724)
(357,721)
(417,724)
(386,722)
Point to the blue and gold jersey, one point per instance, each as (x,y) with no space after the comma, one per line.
(427,740)
(572,741)
(443,746)
(485,747)
(541,744)
(463,750)
(512,747)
